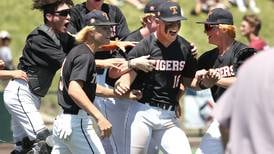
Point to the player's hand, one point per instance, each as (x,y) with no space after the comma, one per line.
(2,64)
(104,126)
(121,88)
(211,77)
(201,74)
(135,94)
(65,128)
(142,63)
(194,50)
(19,74)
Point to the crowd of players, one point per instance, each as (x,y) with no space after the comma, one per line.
(132,95)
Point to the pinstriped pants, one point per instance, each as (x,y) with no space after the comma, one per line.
(23,106)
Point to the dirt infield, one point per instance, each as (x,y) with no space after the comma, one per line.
(6,148)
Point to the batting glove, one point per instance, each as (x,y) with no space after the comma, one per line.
(65,129)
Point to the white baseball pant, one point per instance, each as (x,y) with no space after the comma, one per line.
(160,125)
(23,106)
(83,138)
(211,142)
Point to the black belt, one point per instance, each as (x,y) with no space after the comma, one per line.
(74,112)
(164,106)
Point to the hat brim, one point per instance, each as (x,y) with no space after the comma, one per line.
(172,19)
(209,23)
(214,23)
(104,24)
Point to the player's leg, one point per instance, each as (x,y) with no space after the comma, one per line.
(141,129)
(59,147)
(102,104)
(18,135)
(211,141)
(171,137)
(24,109)
(84,138)
(117,113)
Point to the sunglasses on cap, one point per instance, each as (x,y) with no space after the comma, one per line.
(62,13)
(209,27)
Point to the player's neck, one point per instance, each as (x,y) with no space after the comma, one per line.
(225,45)
(91,46)
(164,41)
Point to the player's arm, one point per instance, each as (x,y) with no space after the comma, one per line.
(226,82)
(13,74)
(78,95)
(203,79)
(122,85)
(141,63)
(109,63)
(107,92)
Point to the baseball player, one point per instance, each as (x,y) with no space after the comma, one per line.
(226,58)
(119,113)
(153,117)
(73,129)
(42,57)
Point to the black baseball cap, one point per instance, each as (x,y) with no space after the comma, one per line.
(97,18)
(218,16)
(153,6)
(170,11)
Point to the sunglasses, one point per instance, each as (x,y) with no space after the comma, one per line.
(172,24)
(209,27)
(63,13)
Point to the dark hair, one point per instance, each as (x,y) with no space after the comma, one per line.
(49,6)
(254,21)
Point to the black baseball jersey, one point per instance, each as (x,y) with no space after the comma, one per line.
(227,64)
(172,64)
(42,57)
(114,13)
(133,36)
(78,65)
(77,23)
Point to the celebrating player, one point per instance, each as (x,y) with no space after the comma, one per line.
(154,116)
(42,57)
(73,129)
(226,58)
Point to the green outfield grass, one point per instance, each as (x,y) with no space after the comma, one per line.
(18,18)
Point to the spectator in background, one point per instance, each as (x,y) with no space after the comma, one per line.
(245,110)
(206,5)
(243,4)
(139,4)
(250,28)
(5,51)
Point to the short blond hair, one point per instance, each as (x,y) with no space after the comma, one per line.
(229,29)
(81,36)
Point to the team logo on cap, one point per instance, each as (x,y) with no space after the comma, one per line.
(173,9)
(152,8)
(105,15)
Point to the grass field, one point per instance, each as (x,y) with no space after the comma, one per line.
(18,18)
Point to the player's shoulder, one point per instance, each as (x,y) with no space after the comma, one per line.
(78,7)
(211,54)
(184,44)
(110,7)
